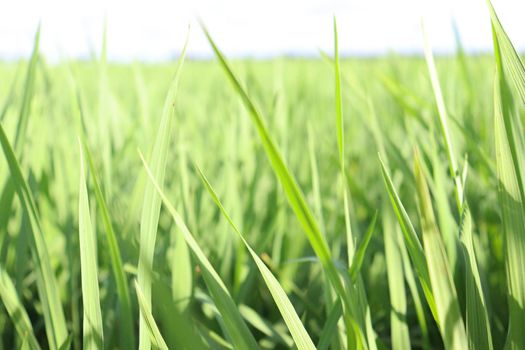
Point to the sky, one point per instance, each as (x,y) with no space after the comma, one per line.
(155,30)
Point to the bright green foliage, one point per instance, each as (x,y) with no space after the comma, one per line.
(16,310)
(151,205)
(449,317)
(92,320)
(477,318)
(46,281)
(313,243)
(299,334)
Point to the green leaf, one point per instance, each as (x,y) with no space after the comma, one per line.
(27,96)
(276,334)
(16,310)
(355,267)
(299,334)
(235,326)
(126,321)
(443,123)
(92,320)
(396,283)
(149,321)
(341,147)
(329,331)
(449,318)
(510,163)
(511,201)
(506,55)
(295,198)
(415,250)
(46,282)
(478,325)
(152,202)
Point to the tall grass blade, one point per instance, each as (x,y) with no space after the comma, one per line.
(509,59)
(92,317)
(512,204)
(16,310)
(27,96)
(449,319)
(396,283)
(477,319)
(341,145)
(510,163)
(412,242)
(152,328)
(46,282)
(357,263)
(295,198)
(237,329)
(127,336)
(443,122)
(293,322)
(152,202)
(329,331)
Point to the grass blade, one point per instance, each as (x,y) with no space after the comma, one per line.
(29,84)
(510,163)
(16,310)
(145,312)
(415,250)
(293,322)
(341,145)
(359,256)
(449,319)
(508,57)
(295,197)
(152,202)
(396,283)
(92,321)
(443,122)
(329,331)
(46,282)
(513,211)
(126,321)
(478,325)
(236,327)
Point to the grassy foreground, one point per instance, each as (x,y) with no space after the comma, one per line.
(289,203)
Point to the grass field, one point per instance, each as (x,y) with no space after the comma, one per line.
(330,203)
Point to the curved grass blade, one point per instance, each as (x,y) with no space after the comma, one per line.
(415,250)
(359,256)
(295,198)
(8,191)
(127,336)
(510,162)
(237,329)
(443,122)
(152,202)
(329,331)
(396,283)
(27,96)
(509,60)
(341,146)
(92,320)
(145,312)
(293,322)
(16,310)
(46,282)
(449,319)
(478,325)
(278,335)
(513,211)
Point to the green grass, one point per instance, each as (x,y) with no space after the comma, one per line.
(338,203)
